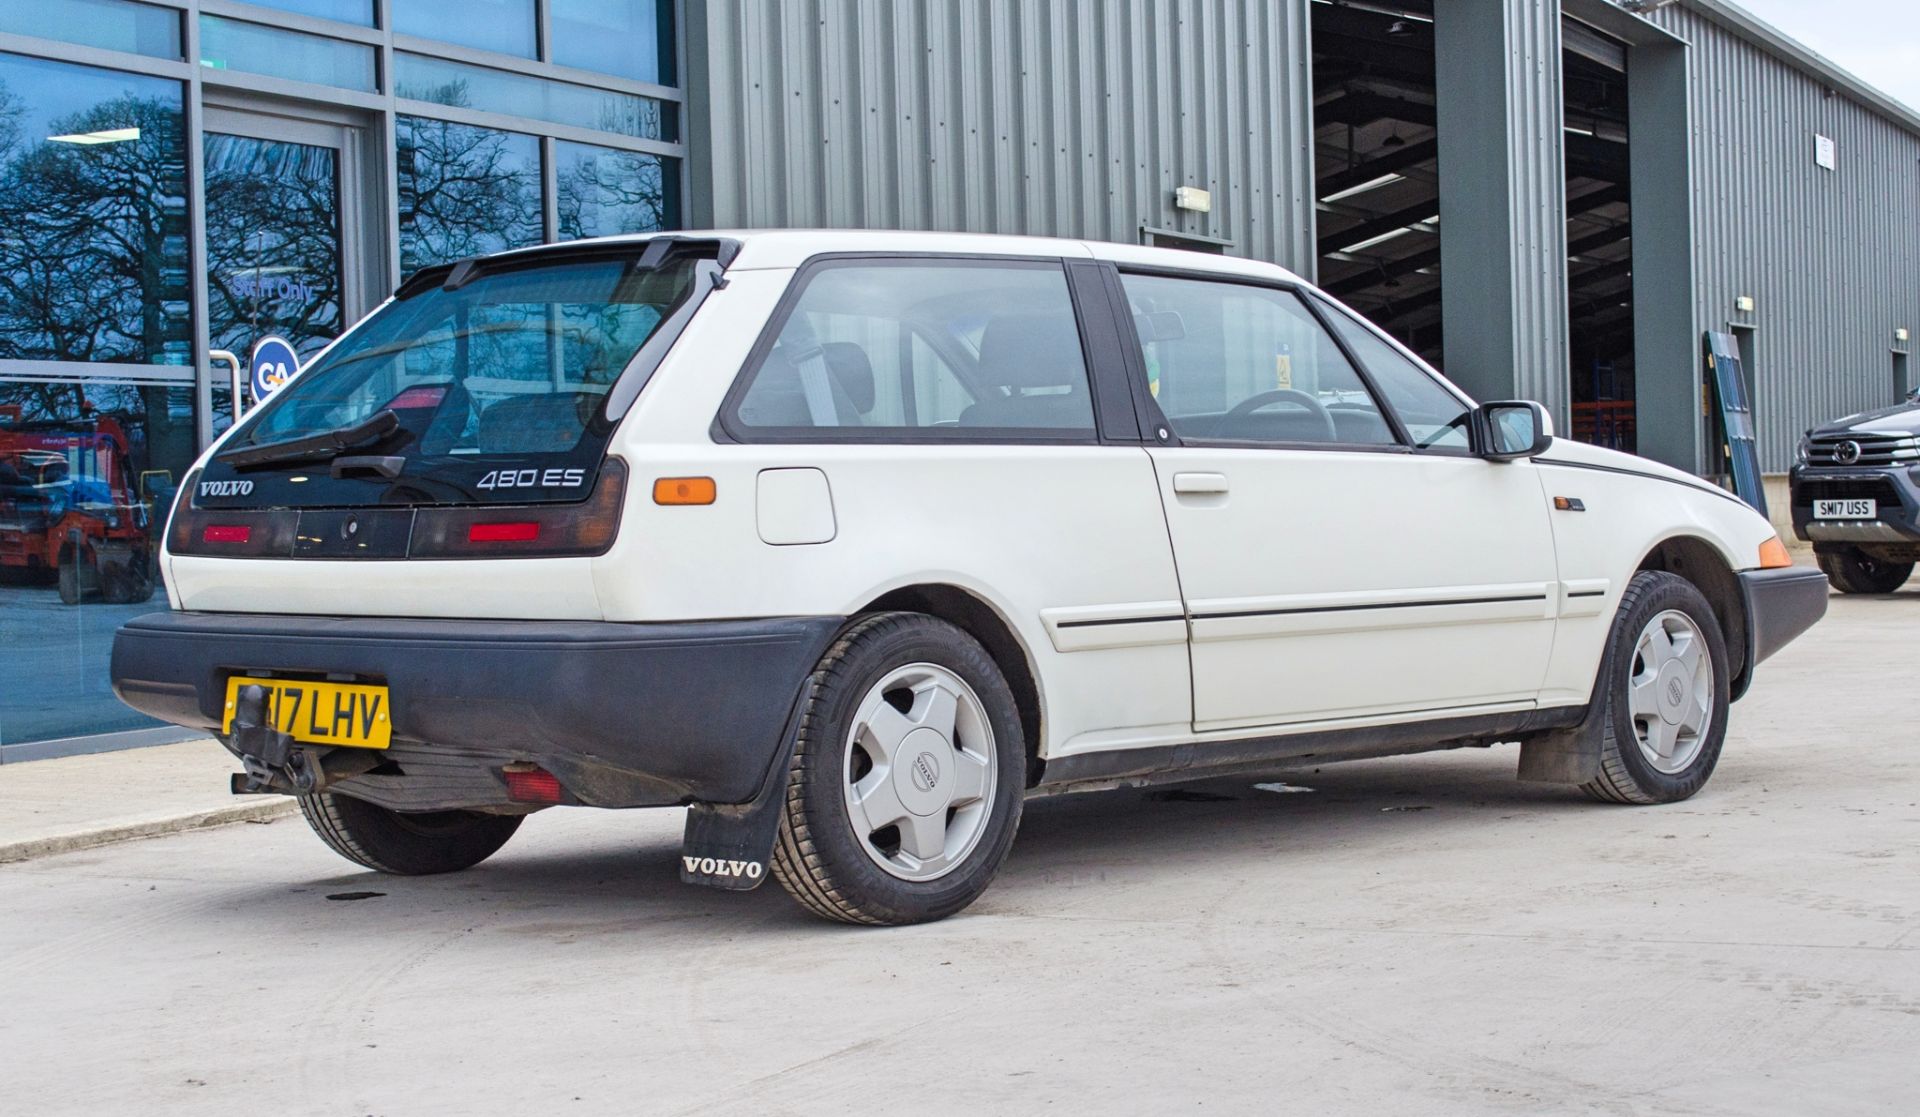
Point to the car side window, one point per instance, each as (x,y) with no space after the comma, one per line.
(1433,416)
(923,349)
(1236,362)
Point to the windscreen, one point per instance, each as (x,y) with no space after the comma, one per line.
(491,389)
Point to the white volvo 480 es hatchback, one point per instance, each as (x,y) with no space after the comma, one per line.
(848,541)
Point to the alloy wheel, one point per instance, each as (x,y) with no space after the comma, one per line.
(920,771)
(1670,693)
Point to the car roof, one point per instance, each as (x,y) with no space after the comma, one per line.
(789,248)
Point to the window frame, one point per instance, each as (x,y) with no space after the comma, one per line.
(1326,307)
(1114,413)
(1163,427)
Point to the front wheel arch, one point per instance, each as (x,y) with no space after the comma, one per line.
(1701,563)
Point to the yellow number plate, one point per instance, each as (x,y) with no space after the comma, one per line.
(352,714)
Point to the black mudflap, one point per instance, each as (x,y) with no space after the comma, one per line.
(730,845)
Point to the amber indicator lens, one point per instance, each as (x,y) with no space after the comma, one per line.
(1773,554)
(684,490)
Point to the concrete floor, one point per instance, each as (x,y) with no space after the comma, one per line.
(1420,935)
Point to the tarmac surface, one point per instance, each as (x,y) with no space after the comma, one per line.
(1416,935)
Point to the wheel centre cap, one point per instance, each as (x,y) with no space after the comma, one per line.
(1673,686)
(923,774)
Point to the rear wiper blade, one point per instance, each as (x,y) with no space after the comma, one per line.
(315,447)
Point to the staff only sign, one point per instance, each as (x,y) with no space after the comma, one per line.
(274,362)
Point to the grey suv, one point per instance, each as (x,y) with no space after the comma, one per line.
(1856,498)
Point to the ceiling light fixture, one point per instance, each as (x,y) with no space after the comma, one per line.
(106,136)
(1383,238)
(1370,184)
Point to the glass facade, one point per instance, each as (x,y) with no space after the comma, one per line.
(506,26)
(465,191)
(109,24)
(273,243)
(228,44)
(125,285)
(602,191)
(461,86)
(347,11)
(631,38)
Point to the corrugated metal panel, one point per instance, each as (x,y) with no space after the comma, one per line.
(1009,116)
(1503,238)
(1832,258)
(1536,133)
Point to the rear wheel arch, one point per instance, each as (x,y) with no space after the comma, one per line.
(1700,562)
(973,615)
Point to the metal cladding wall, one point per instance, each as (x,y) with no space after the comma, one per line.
(1503,186)
(1831,258)
(1006,116)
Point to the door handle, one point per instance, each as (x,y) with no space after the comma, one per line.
(1199,484)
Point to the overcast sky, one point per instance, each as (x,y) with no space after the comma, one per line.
(1878,40)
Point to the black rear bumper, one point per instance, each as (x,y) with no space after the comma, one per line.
(623,714)
(1781,604)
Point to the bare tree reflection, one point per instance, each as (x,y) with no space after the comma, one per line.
(603,192)
(463,190)
(93,236)
(273,242)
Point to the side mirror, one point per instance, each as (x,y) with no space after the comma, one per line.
(1512,429)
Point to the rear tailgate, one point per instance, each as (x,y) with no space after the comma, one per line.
(448,456)
(525,588)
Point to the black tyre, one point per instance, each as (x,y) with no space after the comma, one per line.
(1855,571)
(1665,687)
(78,576)
(130,584)
(403,843)
(906,785)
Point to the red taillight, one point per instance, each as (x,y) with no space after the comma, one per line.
(516,531)
(534,530)
(226,533)
(527,783)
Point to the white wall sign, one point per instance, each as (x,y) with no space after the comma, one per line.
(1824,152)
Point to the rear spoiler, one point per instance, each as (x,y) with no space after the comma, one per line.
(724,251)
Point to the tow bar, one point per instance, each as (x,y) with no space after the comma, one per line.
(274,761)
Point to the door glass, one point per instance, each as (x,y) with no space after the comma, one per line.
(1435,417)
(273,248)
(1234,362)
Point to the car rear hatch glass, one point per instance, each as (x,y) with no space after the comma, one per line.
(493,381)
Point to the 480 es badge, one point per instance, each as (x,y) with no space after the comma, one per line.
(532,479)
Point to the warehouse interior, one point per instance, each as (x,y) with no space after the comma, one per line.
(1376,166)
(1599,238)
(1378,194)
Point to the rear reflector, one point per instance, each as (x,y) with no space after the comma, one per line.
(527,783)
(519,531)
(684,490)
(421,396)
(226,533)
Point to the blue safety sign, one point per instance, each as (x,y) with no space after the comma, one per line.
(274,363)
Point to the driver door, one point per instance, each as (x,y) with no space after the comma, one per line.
(1331,571)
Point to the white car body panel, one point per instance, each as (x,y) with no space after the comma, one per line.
(1339,549)
(1314,582)
(1628,515)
